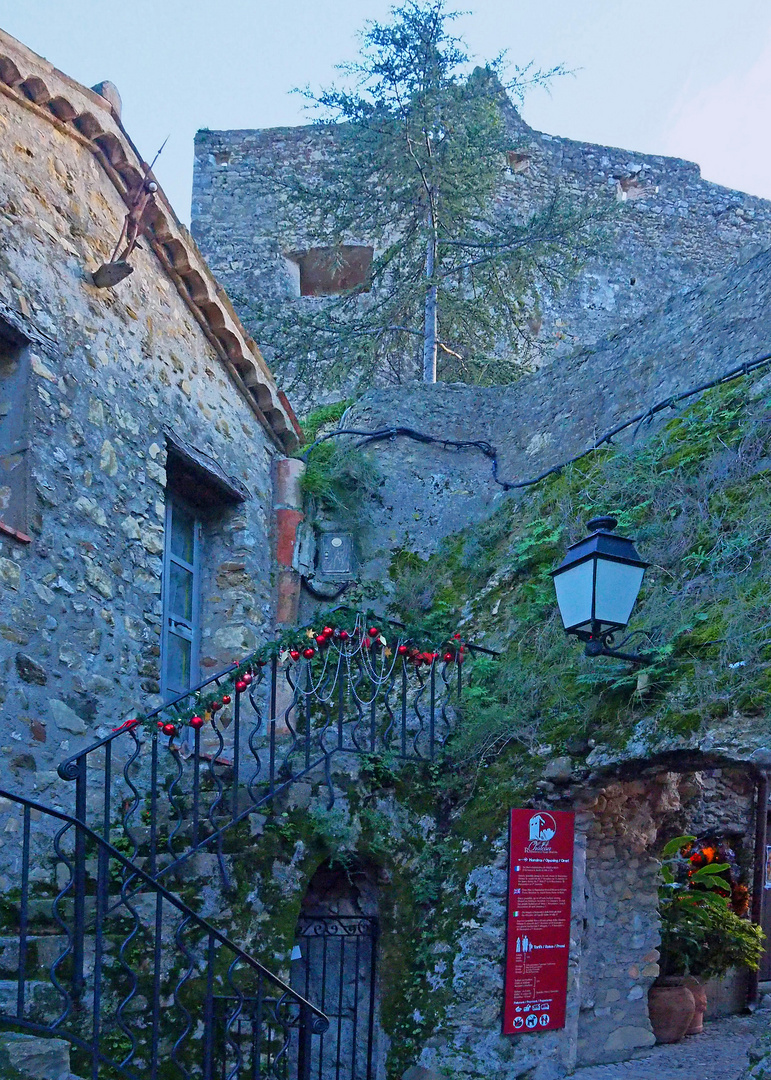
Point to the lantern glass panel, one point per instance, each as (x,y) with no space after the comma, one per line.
(616,587)
(574,594)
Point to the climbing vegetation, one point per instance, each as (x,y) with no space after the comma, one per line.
(340,479)
(697,498)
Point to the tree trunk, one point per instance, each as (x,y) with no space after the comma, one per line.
(430,316)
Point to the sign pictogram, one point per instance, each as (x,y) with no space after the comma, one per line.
(538,929)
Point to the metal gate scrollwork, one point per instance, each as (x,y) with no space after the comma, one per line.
(337,970)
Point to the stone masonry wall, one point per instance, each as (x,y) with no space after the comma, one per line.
(672,231)
(430,491)
(627,823)
(620,827)
(80,606)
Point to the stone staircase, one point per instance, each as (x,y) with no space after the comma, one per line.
(28,1057)
(111,947)
(95,950)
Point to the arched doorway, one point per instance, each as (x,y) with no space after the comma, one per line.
(334,965)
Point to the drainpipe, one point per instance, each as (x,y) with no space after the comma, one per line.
(759,869)
(289,513)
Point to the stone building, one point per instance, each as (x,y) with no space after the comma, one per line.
(130,417)
(673,228)
(148,509)
(679,299)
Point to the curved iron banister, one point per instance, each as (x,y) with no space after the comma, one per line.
(155,887)
(180,798)
(68,769)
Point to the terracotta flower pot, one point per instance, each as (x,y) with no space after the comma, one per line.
(670,1008)
(699,992)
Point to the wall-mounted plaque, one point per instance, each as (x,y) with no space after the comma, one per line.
(538,921)
(336,555)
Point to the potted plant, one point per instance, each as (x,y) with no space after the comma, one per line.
(702,936)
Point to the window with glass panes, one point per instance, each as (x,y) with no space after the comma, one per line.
(14,432)
(181,599)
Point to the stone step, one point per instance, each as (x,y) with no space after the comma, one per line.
(44,950)
(41,920)
(29,1057)
(42,1001)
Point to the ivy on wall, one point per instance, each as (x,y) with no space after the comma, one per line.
(697,498)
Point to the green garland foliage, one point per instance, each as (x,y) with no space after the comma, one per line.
(304,646)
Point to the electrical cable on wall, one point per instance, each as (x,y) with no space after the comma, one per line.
(490,451)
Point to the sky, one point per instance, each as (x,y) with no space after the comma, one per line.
(688,78)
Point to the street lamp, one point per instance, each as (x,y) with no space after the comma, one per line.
(597,584)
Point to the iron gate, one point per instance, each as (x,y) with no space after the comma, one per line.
(337,968)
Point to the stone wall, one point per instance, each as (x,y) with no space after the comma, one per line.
(673,229)
(621,826)
(112,369)
(626,825)
(430,491)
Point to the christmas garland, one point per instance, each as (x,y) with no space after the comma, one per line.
(355,640)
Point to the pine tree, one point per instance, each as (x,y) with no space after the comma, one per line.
(416,152)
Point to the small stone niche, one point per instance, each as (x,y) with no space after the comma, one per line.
(517,161)
(329,271)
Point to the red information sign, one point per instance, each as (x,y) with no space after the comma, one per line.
(538,930)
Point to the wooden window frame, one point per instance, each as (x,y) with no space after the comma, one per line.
(16,348)
(191,629)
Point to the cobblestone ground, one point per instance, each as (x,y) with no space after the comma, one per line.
(720,1053)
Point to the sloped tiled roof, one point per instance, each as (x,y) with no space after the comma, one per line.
(87,117)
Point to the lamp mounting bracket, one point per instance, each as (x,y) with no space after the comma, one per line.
(603,646)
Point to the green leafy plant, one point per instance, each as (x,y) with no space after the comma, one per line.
(340,479)
(700,934)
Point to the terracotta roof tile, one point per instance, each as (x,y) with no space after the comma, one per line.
(35,83)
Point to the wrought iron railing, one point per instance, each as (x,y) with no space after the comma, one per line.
(172,797)
(127,972)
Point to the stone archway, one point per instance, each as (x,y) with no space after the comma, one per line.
(623,825)
(334,965)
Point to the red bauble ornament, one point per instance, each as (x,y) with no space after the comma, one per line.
(240,686)
(248,677)
(226,699)
(169,729)
(374,632)
(456,637)
(160,723)
(447,657)
(344,635)
(196,722)
(328,631)
(403,650)
(215,705)
(295,654)
(309,652)
(321,640)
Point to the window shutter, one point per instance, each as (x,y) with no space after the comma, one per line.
(14,436)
